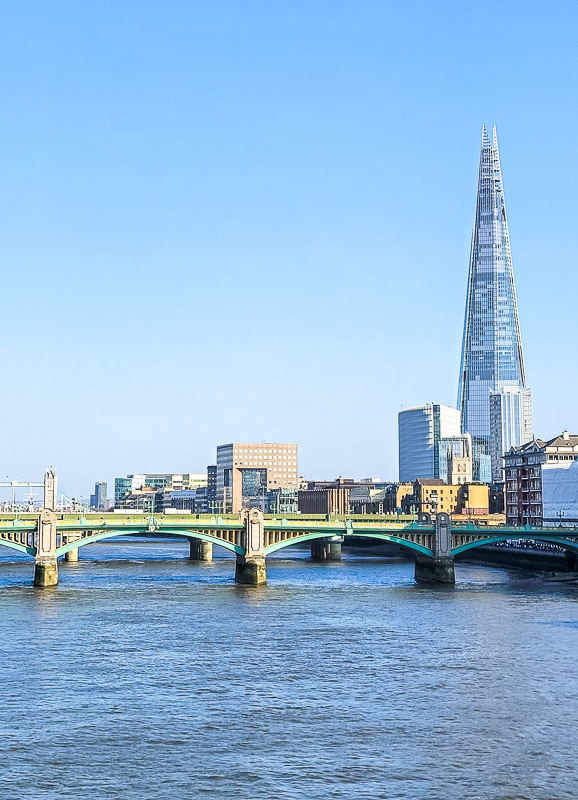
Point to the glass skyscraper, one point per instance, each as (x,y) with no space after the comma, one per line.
(492,359)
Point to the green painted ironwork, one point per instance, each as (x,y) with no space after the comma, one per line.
(77,530)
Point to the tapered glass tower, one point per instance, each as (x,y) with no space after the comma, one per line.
(493,399)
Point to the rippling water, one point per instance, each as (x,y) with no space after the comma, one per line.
(143,675)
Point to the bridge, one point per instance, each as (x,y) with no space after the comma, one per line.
(252,536)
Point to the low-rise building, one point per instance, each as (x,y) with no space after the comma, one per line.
(535,474)
(323,501)
(430,496)
(527,469)
(473,500)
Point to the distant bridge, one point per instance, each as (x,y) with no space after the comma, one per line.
(253,536)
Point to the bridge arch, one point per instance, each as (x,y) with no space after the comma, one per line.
(386,537)
(559,540)
(113,534)
(21,548)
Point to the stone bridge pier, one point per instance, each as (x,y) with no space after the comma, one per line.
(440,567)
(326,549)
(200,550)
(250,567)
(46,562)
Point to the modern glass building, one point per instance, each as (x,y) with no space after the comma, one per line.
(492,358)
(422,431)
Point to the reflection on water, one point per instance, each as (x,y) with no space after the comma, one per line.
(143,675)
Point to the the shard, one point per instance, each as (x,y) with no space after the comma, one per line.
(493,399)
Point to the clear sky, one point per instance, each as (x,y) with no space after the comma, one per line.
(251,220)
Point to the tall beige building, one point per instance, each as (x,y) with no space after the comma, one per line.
(246,471)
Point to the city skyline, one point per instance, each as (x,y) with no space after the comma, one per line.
(247,224)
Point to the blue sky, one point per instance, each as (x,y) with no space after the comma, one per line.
(251,221)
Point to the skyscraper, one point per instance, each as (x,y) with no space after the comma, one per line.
(492,359)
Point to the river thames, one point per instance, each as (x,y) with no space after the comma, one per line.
(143,675)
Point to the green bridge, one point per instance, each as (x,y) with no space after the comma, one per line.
(252,536)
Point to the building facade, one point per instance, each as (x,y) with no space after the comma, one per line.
(158,482)
(246,472)
(99,500)
(538,484)
(421,431)
(510,424)
(323,501)
(492,359)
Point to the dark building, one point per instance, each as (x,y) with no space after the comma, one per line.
(323,501)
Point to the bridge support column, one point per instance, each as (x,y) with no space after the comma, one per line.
(251,568)
(326,549)
(71,555)
(434,570)
(439,568)
(319,550)
(46,564)
(334,553)
(200,550)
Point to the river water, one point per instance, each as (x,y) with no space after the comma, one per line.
(143,675)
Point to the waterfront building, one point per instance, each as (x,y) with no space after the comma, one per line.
(247,471)
(324,501)
(368,500)
(158,482)
(128,485)
(184,500)
(283,501)
(492,358)
(430,496)
(99,500)
(473,500)
(539,487)
(421,431)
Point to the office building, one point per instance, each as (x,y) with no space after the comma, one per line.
(99,500)
(159,482)
(421,431)
(492,358)
(246,472)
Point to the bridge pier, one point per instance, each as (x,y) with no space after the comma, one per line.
(439,568)
(46,573)
(326,549)
(251,568)
(434,570)
(319,550)
(200,550)
(46,563)
(71,555)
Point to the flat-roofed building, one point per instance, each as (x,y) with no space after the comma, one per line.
(538,478)
(247,471)
(421,431)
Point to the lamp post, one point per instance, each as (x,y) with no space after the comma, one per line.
(560,514)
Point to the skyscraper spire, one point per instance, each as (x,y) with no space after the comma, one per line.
(494,402)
